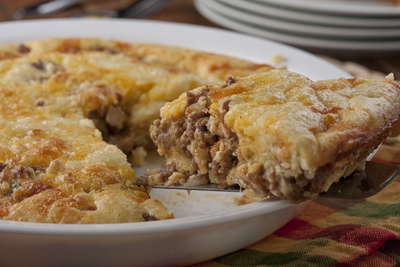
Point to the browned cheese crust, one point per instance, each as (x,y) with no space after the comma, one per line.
(275,133)
(72,110)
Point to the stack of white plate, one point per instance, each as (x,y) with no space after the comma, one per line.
(336,25)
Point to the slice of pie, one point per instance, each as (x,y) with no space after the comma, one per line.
(73,110)
(275,133)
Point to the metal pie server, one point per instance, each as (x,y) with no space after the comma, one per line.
(359,185)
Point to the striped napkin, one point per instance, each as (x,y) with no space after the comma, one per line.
(332,232)
(389,151)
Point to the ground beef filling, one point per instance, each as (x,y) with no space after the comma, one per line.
(212,156)
(110,121)
(217,156)
(224,152)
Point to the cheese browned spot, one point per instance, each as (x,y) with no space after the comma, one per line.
(275,133)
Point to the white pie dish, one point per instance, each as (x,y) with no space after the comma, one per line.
(207,225)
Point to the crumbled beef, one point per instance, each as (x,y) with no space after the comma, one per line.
(40,103)
(20,171)
(149,218)
(223,184)
(39,64)
(106,50)
(23,49)
(193,99)
(170,169)
(39,167)
(203,134)
(225,107)
(164,135)
(153,177)
(195,123)
(2,166)
(227,161)
(230,145)
(189,133)
(190,98)
(192,127)
(230,80)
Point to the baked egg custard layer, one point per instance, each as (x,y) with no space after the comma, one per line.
(75,116)
(275,133)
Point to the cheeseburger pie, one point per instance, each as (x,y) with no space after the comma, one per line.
(75,116)
(275,133)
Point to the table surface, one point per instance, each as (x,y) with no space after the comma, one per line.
(325,233)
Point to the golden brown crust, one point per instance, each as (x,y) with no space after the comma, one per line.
(211,67)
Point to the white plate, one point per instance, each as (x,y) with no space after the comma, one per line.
(264,9)
(367,8)
(304,41)
(207,225)
(295,27)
